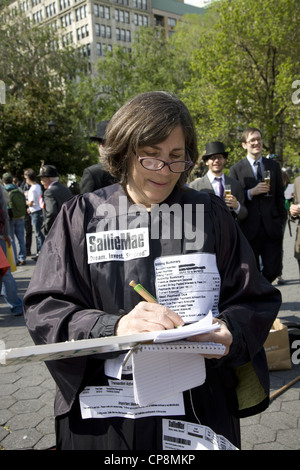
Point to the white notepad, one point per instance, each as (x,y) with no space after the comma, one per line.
(161,370)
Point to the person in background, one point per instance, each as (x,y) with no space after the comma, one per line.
(286,180)
(215,180)
(95,176)
(263,226)
(9,288)
(55,195)
(295,213)
(34,201)
(103,240)
(17,210)
(28,224)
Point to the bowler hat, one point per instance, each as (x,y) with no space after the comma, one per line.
(49,171)
(101,128)
(214,148)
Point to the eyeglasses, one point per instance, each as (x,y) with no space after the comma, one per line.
(253,141)
(217,156)
(155,164)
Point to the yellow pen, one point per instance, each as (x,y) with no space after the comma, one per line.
(143,292)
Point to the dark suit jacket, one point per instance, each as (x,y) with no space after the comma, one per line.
(269,211)
(94,177)
(54,197)
(203,184)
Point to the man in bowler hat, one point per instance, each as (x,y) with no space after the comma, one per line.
(95,177)
(214,181)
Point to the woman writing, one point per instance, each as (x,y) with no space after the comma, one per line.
(102,240)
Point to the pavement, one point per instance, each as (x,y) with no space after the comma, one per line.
(27,391)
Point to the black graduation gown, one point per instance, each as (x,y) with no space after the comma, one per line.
(71,299)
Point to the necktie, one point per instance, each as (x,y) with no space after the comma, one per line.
(221,189)
(258,172)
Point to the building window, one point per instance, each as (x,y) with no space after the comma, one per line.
(66,20)
(64,4)
(81,13)
(101,49)
(82,32)
(50,10)
(101,12)
(141,4)
(37,16)
(171,22)
(85,50)
(67,38)
(140,20)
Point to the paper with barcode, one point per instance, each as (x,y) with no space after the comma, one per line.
(182,435)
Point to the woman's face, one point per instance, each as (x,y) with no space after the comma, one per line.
(153,187)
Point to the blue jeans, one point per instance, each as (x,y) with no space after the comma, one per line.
(9,289)
(37,222)
(17,228)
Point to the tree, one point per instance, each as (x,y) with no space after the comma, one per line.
(35,70)
(243,70)
(153,63)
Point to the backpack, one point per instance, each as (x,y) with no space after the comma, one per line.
(17,204)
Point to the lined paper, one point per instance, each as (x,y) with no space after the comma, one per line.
(160,370)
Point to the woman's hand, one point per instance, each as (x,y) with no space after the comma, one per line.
(222,335)
(147,317)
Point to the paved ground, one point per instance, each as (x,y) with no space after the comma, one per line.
(27,391)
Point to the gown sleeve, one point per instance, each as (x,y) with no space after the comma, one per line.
(59,304)
(249,305)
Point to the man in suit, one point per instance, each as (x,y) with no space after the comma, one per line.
(95,177)
(263,227)
(215,180)
(295,213)
(54,196)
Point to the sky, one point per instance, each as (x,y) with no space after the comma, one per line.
(196,3)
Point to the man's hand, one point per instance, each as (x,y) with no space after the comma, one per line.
(295,210)
(231,202)
(260,188)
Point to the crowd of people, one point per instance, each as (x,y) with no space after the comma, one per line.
(110,234)
(27,207)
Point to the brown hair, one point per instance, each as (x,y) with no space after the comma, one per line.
(248,131)
(146,119)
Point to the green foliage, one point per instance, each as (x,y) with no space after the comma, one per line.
(234,67)
(242,74)
(35,71)
(154,63)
